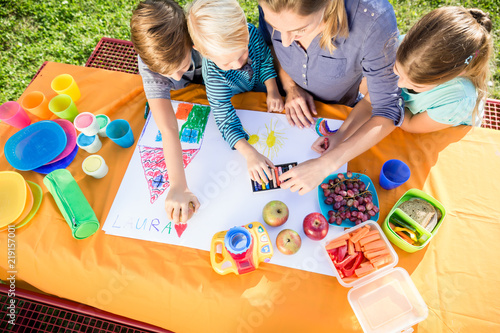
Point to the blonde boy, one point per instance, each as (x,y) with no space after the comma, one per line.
(235,59)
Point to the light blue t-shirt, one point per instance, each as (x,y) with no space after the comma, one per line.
(449,103)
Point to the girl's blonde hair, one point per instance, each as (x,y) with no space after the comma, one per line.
(446,43)
(217,27)
(160,36)
(335,17)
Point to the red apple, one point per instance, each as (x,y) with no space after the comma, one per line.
(288,241)
(275,213)
(315,226)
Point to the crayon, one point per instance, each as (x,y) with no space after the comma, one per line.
(278,183)
(274,178)
(255,187)
(326,144)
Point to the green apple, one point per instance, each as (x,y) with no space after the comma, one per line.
(288,241)
(275,213)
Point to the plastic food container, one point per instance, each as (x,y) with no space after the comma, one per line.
(385,300)
(325,208)
(426,235)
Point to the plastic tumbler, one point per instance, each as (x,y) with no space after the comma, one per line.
(103,121)
(95,166)
(36,103)
(90,144)
(13,114)
(120,132)
(86,123)
(66,84)
(393,174)
(63,107)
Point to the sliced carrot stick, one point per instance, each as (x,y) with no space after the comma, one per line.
(378,244)
(334,244)
(357,247)
(365,270)
(358,234)
(382,260)
(364,263)
(349,279)
(350,248)
(371,238)
(374,254)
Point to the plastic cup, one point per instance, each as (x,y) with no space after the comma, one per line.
(393,174)
(103,121)
(120,132)
(66,84)
(63,107)
(90,144)
(95,166)
(36,103)
(13,114)
(86,123)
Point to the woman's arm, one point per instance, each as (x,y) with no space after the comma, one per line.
(179,196)
(421,123)
(308,175)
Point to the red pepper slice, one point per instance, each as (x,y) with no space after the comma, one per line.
(350,271)
(344,262)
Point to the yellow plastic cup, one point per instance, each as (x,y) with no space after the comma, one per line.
(66,84)
(36,103)
(63,107)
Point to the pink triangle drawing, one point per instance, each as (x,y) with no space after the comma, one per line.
(153,163)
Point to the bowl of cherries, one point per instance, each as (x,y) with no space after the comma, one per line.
(348,199)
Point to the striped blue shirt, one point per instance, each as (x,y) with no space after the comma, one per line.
(223,85)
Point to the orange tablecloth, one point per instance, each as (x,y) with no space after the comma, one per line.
(175,287)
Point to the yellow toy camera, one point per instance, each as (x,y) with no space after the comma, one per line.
(239,250)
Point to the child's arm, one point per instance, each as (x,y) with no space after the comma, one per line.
(179,196)
(421,123)
(274,99)
(257,163)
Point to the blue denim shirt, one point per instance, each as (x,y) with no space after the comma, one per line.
(159,86)
(369,50)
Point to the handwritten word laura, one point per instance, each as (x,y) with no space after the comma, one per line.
(154,225)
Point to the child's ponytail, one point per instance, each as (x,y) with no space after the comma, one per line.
(446,43)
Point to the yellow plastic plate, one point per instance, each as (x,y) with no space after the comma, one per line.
(12,196)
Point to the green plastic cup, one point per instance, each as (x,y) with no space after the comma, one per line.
(63,107)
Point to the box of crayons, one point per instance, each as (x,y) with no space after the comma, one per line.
(274,182)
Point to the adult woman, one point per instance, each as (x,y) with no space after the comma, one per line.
(323,49)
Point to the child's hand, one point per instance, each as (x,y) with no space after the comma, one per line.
(258,167)
(274,102)
(180,205)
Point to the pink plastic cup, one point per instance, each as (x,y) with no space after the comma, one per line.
(13,114)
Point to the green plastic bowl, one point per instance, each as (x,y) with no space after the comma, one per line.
(394,237)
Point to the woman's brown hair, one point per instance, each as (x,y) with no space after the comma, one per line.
(160,35)
(446,43)
(335,17)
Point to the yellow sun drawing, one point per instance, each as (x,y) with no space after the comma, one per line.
(269,142)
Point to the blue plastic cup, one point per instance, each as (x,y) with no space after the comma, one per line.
(120,132)
(393,174)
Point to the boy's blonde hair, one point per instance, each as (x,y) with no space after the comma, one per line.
(446,43)
(160,36)
(217,27)
(335,17)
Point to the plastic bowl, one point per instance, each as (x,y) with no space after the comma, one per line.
(394,237)
(326,208)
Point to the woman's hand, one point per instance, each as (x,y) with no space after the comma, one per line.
(299,105)
(306,176)
(180,204)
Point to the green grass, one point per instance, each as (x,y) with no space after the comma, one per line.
(34,31)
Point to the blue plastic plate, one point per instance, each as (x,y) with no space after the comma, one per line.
(35,145)
(325,208)
(61,164)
